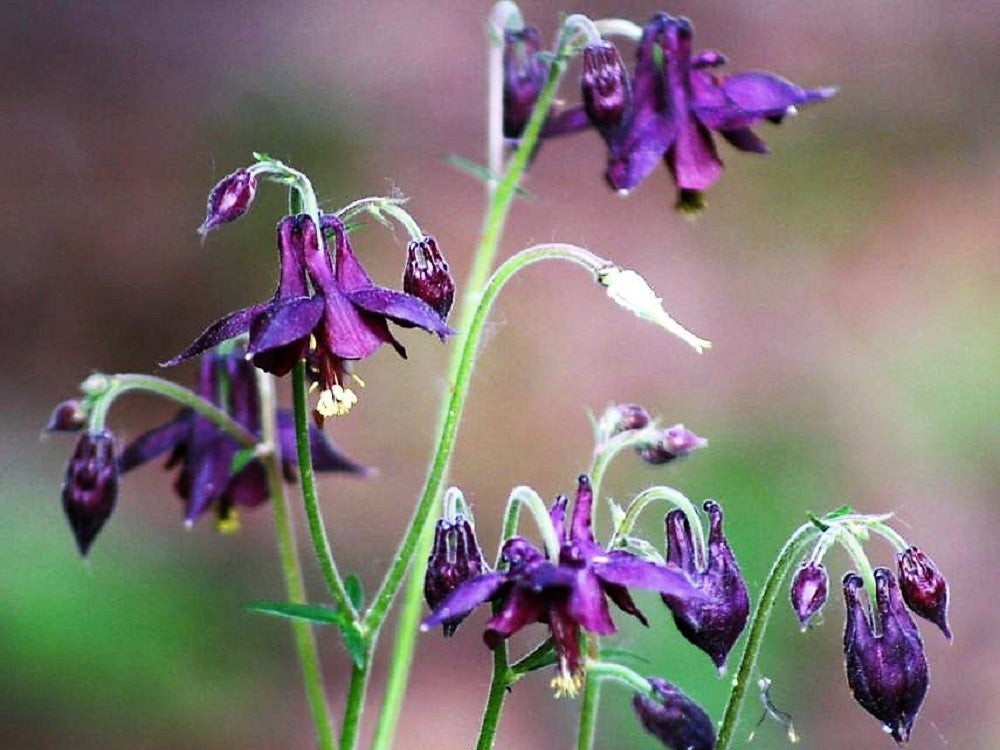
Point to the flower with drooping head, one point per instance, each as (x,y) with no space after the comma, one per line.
(68,416)
(567,594)
(605,85)
(676,101)
(229,199)
(670,444)
(344,319)
(923,587)
(621,418)
(455,558)
(809,590)
(673,718)
(90,487)
(426,276)
(205,453)
(887,671)
(713,622)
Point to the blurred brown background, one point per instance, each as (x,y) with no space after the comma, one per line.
(848,281)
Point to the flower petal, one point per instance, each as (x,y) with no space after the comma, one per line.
(465,598)
(692,159)
(284,321)
(247,488)
(345,332)
(230,326)
(519,608)
(623,600)
(625,570)
(156,442)
(587,605)
(744,139)
(401,308)
(325,455)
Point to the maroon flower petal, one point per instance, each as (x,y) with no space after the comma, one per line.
(623,600)
(401,308)
(635,573)
(466,598)
(225,328)
(587,605)
(343,330)
(520,608)
(282,322)
(744,139)
(325,455)
(247,488)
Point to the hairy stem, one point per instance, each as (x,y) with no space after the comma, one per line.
(355,703)
(786,558)
(305,642)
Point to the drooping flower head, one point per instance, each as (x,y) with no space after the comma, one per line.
(715,621)
(566,594)
(670,444)
(426,276)
(455,558)
(673,718)
(677,101)
(90,487)
(67,416)
(344,317)
(923,587)
(229,199)
(205,454)
(621,418)
(884,656)
(809,591)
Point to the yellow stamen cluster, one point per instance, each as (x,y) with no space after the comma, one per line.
(335,401)
(229,522)
(566,684)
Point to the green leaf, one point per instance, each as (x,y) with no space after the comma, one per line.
(241,458)
(543,655)
(320,615)
(482,174)
(843,510)
(355,591)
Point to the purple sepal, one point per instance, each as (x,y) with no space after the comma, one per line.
(809,591)
(924,589)
(673,718)
(90,486)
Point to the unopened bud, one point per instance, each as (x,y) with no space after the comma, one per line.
(923,587)
(607,94)
(809,591)
(229,200)
(427,277)
(455,558)
(90,487)
(524,75)
(621,418)
(671,443)
(673,718)
(68,416)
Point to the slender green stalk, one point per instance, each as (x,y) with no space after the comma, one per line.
(587,727)
(606,670)
(355,703)
(891,535)
(305,642)
(499,683)
(787,557)
(118,385)
(853,547)
(675,498)
(307,480)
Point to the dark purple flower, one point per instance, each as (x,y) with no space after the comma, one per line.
(605,85)
(568,594)
(229,199)
(205,454)
(426,276)
(90,487)
(524,75)
(923,587)
(68,416)
(673,718)
(455,558)
(670,444)
(346,316)
(621,418)
(809,591)
(677,101)
(887,672)
(714,621)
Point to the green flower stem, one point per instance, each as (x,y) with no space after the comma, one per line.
(117,385)
(378,205)
(891,535)
(619,27)
(587,727)
(606,670)
(355,703)
(317,530)
(305,642)
(850,543)
(500,681)
(420,525)
(670,495)
(525,496)
(787,557)
(610,450)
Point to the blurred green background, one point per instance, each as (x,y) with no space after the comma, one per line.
(848,281)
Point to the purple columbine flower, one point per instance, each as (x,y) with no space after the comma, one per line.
(809,591)
(229,199)
(715,621)
(455,558)
(345,318)
(923,587)
(567,594)
(426,276)
(673,718)
(887,671)
(670,444)
(90,487)
(677,101)
(205,454)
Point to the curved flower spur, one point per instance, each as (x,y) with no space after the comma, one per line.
(563,589)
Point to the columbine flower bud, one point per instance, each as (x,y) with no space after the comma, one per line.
(454,559)
(229,200)
(427,277)
(809,590)
(90,487)
(673,718)
(924,588)
(673,442)
(715,622)
(607,94)
(621,418)
(887,672)
(524,76)
(68,416)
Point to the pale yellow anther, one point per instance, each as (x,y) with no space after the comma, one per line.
(312,343)
(565,685)
(336,401)
(228,523)
(359,381)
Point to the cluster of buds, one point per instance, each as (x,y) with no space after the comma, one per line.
(663,111)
